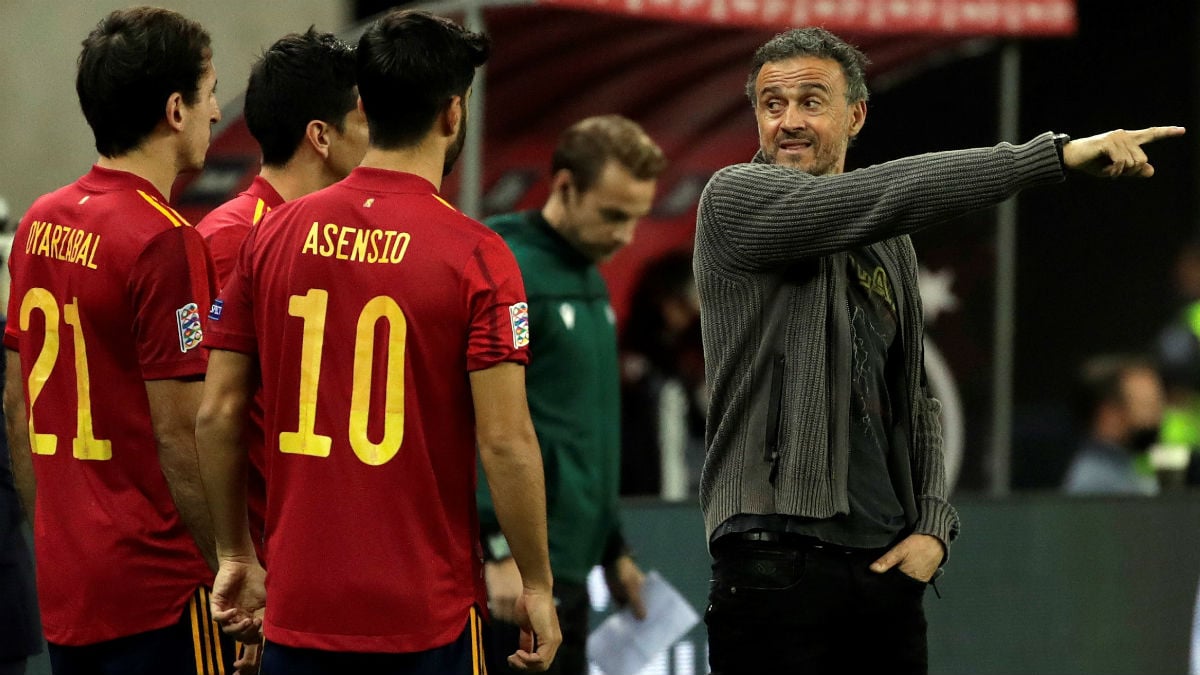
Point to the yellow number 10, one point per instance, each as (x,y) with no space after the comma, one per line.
(312,308)
(85,445)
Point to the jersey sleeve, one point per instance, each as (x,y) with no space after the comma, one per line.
(170,285)
(498,311)
(231,319)
(224,245)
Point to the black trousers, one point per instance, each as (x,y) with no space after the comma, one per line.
(571,659)
(794,605)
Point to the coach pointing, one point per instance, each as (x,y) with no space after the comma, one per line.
(824,491)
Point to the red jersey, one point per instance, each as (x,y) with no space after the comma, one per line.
(107,282)
(368,304)
(226,226)
(224,229)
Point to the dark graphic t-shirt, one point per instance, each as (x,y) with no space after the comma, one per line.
(876,516)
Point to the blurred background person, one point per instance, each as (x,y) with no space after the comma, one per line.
(1121,401)
(1178,352)
(20,626)
(603,176)
(663,397)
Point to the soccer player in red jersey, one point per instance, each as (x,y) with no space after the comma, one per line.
(104,365)
(302,107)
(390,333)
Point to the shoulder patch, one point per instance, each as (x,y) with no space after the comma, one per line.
(187,319)
(214,312)
(518,315)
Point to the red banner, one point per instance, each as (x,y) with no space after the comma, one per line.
(947,17)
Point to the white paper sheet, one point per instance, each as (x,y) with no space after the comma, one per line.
(622,645)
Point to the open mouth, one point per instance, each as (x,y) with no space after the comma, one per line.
(795,145)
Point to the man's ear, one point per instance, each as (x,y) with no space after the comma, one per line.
(453,117)
(317,135)
(175,112)
(562,184)
(858,117)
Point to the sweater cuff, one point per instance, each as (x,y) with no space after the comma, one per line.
(938,519)
(1037,161)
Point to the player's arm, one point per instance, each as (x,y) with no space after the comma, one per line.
(17,425)
(512,461)
(229,387)
(173,406)
(220,425)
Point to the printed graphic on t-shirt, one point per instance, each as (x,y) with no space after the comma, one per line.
(874,280)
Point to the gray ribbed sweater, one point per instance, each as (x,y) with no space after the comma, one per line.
(769,247)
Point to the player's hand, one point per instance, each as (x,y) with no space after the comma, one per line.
(917,555)
(1115,154)
(625,581)
(238,597)
(503,587)
(249,659)
(540,634)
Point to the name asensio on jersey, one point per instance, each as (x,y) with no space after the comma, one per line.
(62,242)
(356,244)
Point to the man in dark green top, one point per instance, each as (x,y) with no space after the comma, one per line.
(604,173)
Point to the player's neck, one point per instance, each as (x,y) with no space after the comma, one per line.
(292,182)
(144,163)
(425,160)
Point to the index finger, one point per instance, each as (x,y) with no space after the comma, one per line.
(1151,134)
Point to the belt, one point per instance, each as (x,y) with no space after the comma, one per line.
(799,541)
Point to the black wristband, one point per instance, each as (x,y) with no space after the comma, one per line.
(495,546)
(1059,141)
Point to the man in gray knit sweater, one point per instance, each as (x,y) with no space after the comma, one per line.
(824,491)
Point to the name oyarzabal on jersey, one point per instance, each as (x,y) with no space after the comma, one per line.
(62,242)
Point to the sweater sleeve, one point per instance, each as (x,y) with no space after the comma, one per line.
(771,216)
(935,515)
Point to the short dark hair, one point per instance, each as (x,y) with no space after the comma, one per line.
(821,44)
(300,78)
(131,63)
(585,147)
(410,64)
(1102,381)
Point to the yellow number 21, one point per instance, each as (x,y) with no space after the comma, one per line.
(312,308)
(85,445)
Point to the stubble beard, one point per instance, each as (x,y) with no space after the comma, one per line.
(455,149)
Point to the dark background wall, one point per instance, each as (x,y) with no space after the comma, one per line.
(1094,255)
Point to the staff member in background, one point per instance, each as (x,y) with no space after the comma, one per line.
(603,176)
